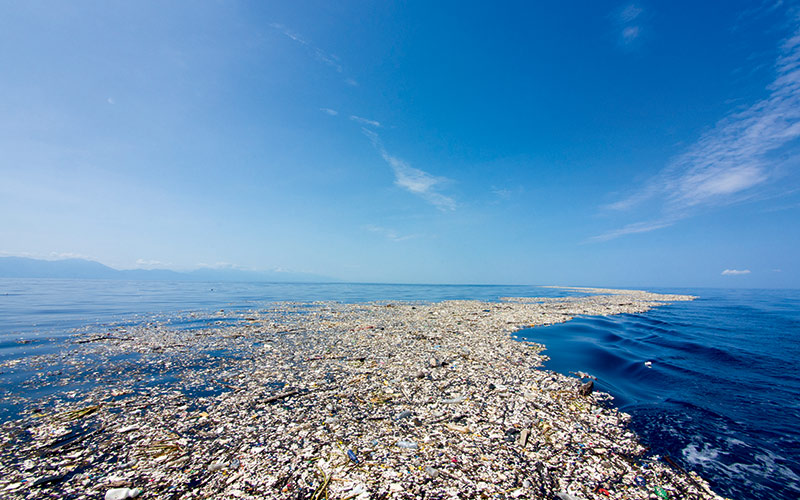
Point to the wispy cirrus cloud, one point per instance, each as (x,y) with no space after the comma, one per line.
(757,10)
(732,162)
(630,13)
(222,265)
(634,228)
(735,272)
(68,255)
(389,234)
(412,179)
(149,264)
(501,193)
(629,22)
(629,34)
(365,121)
(329,59)
(326,58)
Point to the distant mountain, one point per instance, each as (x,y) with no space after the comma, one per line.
(22,267)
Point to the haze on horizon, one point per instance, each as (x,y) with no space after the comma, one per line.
(609,144)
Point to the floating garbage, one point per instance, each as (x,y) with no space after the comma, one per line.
(457,399)
(661,492)
(122,493)
(431,472)
(329,400)
(406,444)
(404,414)
(215,466)
(80,413)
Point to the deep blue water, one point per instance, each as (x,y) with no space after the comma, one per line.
(721,397)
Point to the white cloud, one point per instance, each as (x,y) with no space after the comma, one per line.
(329,111)
(731,162)
(324,57)
(389,234)
(629,28)
(68,255)
(413,179)
(110,100)
(365,121)
(636,227)
(150,263)
(501,192)
(733,157)
(630,13)
(647,192)
(329,59)
(221,265)
(630,33)
(735,272)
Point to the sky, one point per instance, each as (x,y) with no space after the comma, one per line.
(650,144)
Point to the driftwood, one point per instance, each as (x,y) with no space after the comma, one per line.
(282,395)
(98,339)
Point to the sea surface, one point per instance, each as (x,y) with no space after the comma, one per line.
(721,394)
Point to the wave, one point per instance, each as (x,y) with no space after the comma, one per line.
(720,394)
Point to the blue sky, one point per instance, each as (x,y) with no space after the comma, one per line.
(597,143)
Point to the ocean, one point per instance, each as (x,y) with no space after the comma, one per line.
(719,395)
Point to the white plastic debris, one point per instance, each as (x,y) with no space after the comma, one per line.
(122,493)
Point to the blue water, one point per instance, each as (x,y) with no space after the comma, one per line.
(37,315)
(721,397)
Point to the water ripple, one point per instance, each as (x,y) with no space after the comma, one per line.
(721,395)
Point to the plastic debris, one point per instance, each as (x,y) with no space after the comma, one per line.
(215,466)
(406,444)
(122,493)
(329,400)
(404,414)
(458,399)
